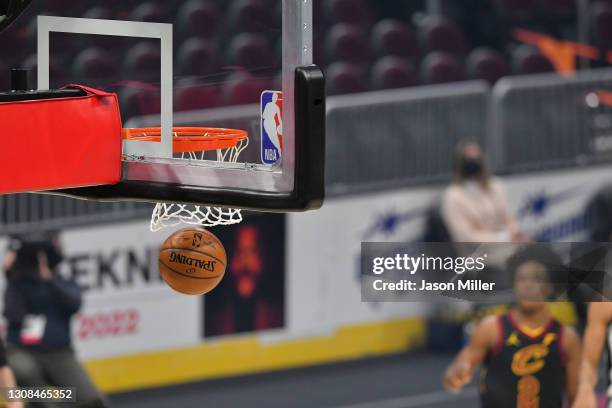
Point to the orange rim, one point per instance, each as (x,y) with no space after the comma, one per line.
(190,139)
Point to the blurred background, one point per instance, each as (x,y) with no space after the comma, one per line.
(529,81)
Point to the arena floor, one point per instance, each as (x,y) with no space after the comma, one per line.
(405,381)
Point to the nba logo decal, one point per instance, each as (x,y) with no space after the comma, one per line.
(271,127)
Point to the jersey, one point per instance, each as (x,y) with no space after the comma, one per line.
(524,371)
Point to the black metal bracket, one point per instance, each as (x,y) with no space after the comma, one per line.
(20,90)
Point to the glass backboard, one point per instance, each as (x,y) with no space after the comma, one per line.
(243,65)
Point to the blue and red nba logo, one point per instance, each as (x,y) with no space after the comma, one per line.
(271,127)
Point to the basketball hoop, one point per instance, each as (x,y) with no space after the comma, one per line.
(192,143)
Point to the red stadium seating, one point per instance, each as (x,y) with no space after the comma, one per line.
(348,11)
(242,88)
(529,60)
(94,63)
(148,12)
(142,61)
(362,44)
(440,67)
(487,64)
(347,42)
(138,100)
(345,78)
(393,37)
(441,34)
(253,16)
(191,97)
(394,72)
(99,12)
(196,56)
(199,18)
(251,51)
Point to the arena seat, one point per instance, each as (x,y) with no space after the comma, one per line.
(394,38)
(394,72)
(191,97)
(143,60)
(345,78)
(438,33)
(138,101)
(487,64)
(254,16)
(94,63)
(251,51)
(196,56)
(347,42)
(241,88)
(348,11)
(199,18)
(440,67)
(99,12)
(151,12)
(527,59)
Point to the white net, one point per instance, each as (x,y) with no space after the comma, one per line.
(170,215)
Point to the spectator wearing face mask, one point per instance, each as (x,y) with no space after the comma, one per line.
(475,207)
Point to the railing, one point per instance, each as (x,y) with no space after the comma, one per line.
(548,121)
(386,139)
(21,213)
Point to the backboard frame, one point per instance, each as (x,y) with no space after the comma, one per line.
(149,171)
(163,32)
(308,191)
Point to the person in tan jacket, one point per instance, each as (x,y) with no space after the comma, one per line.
(475,207)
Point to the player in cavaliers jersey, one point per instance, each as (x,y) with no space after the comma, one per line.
(529,359)
(597,335)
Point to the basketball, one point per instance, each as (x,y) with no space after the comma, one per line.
(192,261)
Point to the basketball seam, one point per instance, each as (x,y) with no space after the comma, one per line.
(201,230)
(208,232)
(197,252)
(173,287)
(189,276)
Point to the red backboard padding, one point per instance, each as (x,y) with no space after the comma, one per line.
(60,143)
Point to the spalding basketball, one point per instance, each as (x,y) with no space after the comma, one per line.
(192,261)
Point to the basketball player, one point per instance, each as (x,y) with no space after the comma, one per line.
(599,318)
(530,359)
(597,330)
